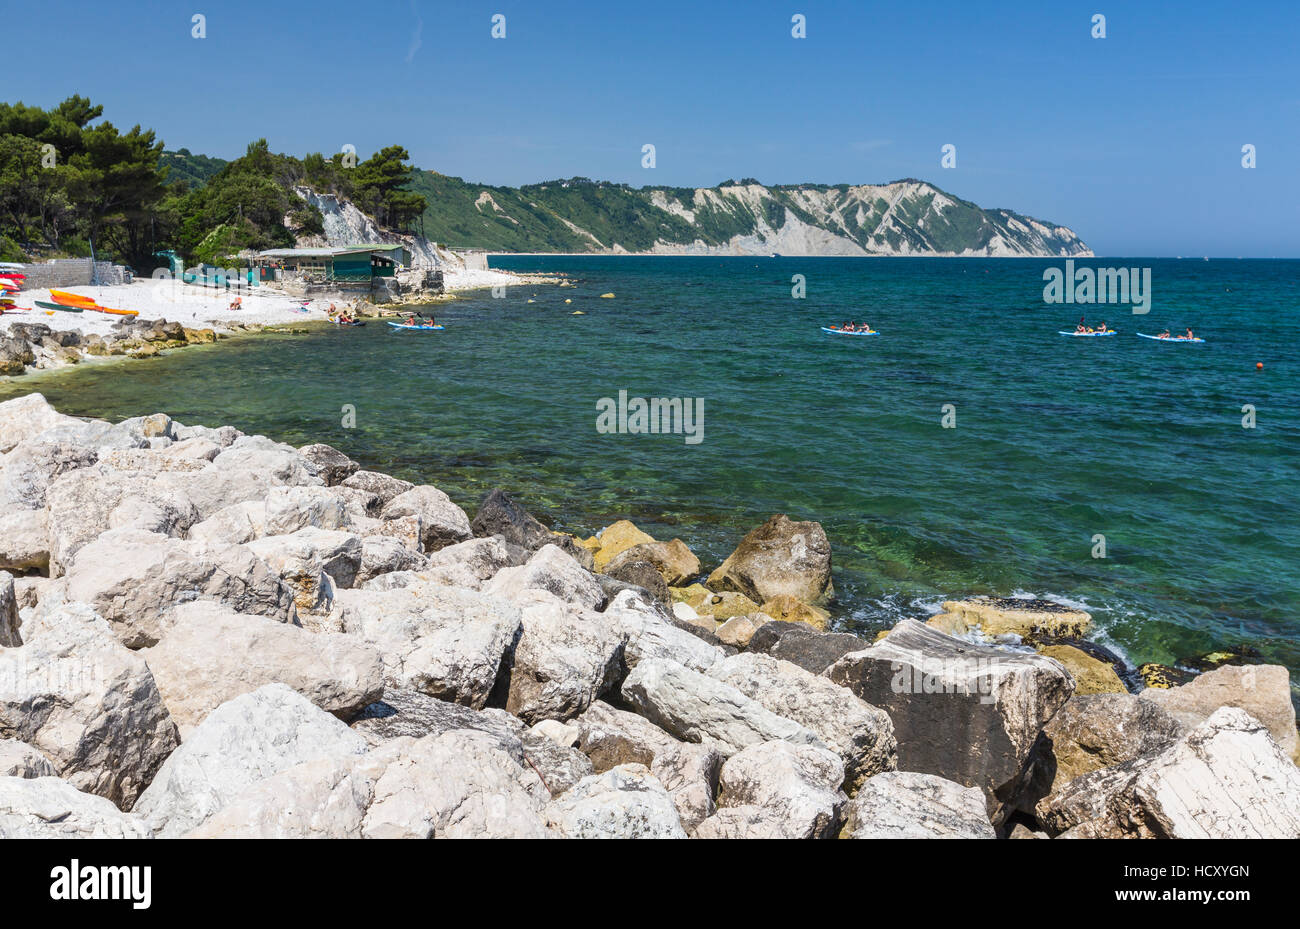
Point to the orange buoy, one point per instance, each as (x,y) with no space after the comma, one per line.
(1259,366)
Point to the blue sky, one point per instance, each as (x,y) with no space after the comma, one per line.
(1134,140)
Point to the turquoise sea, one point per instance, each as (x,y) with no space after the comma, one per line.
(1057,440)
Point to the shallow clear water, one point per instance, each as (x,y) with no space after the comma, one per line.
(1057,439)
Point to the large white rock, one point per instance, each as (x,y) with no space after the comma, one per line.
(212,654)
(258,453)
(442,522)
(232,525)
(472,563)
(776,790)
(18,759)
(289,509)
(565,658)
(382,486)
(651,635)
(1226,779)
(553,570)
(406,713)
(611,737)
(626,802)
(48,808)
(697,708)
(86,503)
(440,641)
(91,706)
(134,579)
(458,784)
(241,742)
(213,489)
(27,416)
(858,732)
(27,470)
(301,558)
(382,555)
(25,540)
(9,622)
(908,805)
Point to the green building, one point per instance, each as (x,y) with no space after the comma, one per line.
(354,264)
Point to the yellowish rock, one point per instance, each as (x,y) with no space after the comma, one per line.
(618,538)
(1023,617)
(792,610)
(1091,676)
(692,596)
(948,624)
(1162,676)
(724,605)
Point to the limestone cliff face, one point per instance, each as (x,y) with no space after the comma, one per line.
(907,217)
(347,225)
(903,218)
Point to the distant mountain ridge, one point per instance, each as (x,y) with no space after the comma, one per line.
(905,217)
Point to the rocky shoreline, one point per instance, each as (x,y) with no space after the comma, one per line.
(210,634)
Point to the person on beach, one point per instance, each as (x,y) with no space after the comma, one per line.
(236,304)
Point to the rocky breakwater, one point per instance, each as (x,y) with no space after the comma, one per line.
(206,633)
(26,346)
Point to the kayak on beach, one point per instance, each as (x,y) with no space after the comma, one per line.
(1169,338)
(58,306)
(405,326)
(66,300)
(1089,335)
(835,331)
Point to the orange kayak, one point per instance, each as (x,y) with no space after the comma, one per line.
(67,299)
(63,298)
